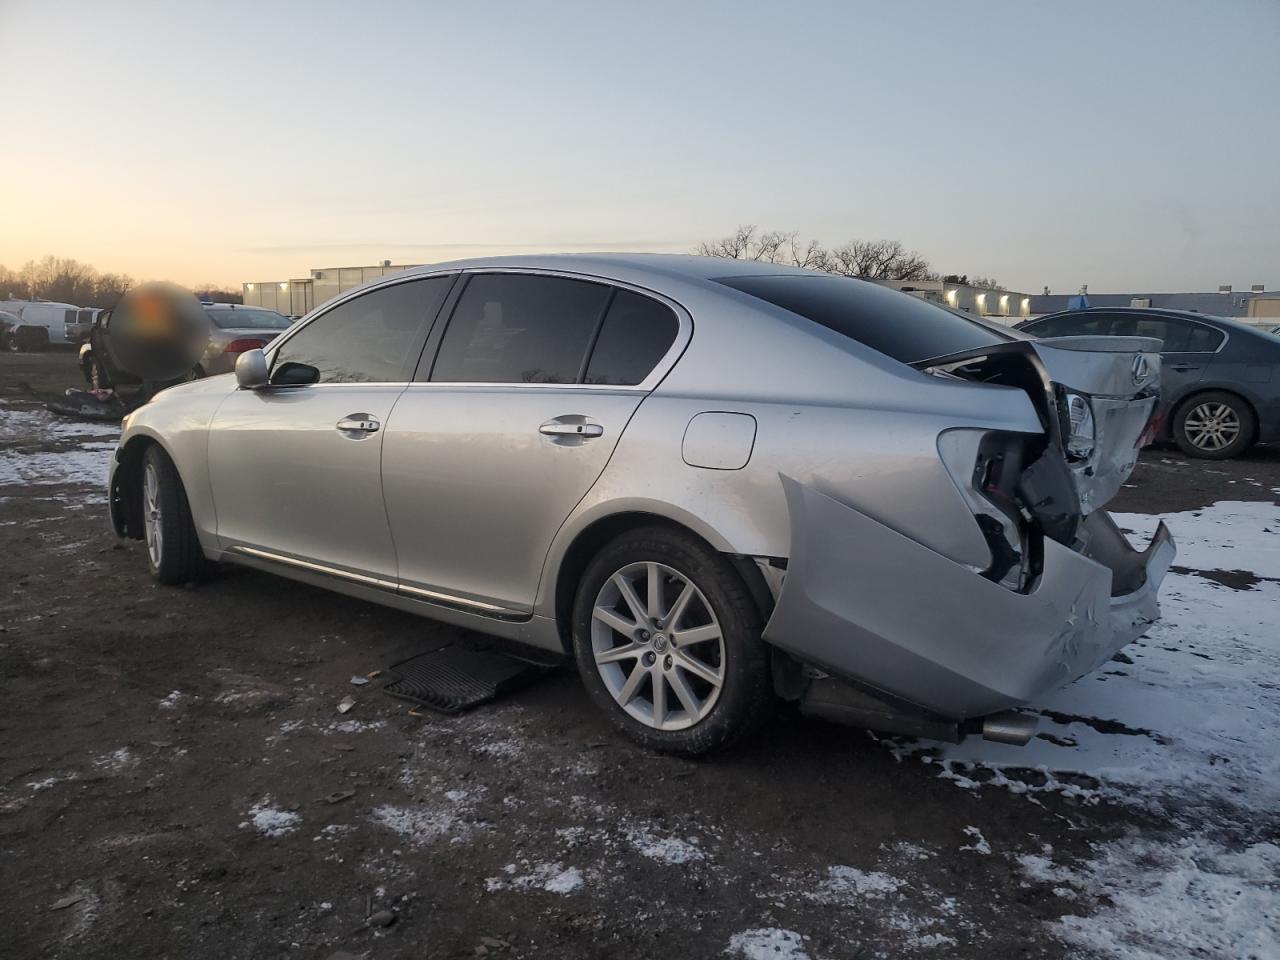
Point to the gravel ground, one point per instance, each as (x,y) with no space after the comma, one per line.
(175,779)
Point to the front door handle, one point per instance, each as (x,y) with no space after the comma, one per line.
(571,426)
(1184,367)
(360,424)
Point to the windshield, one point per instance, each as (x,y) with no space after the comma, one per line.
(246,318)
(896,324)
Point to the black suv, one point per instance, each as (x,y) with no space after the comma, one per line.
(1219,378)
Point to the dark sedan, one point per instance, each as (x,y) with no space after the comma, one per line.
(1220,378)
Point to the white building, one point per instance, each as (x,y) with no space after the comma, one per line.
(1004,305)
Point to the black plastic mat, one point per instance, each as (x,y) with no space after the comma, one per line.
(454,679)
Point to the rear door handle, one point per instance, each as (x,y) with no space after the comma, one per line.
(358,423)
(560,428)
(1184,367)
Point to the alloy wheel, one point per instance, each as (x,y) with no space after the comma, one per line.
(658,646)
(1212,425)
(151,515)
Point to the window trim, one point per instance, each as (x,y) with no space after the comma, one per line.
(684,332)
(414,349)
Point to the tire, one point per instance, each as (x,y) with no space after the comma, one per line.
(173,549)
(30,339)
(1214,425)
(715,689)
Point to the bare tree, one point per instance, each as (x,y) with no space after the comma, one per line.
(989,283)
(64,280)
(879,260)
(869,259)
(217,294)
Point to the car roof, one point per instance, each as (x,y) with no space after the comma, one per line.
(619,265)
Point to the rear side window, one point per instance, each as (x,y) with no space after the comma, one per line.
(1204,339)
(520,328)
(370,338)
(637,333)
(896,324)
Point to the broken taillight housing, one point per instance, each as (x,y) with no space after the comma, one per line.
(1081,434)
(244,345)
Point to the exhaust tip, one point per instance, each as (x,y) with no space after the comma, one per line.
(1011,726)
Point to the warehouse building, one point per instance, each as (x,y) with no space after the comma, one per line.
(296,297)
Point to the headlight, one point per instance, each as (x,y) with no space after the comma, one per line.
(1081,434)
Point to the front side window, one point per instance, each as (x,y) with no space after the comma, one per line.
(520,328)
(370,338)
(637,333)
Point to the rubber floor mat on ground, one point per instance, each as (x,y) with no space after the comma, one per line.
(454,679)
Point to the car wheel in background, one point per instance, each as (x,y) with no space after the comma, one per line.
(173,549)
(667,640)
(29,339)
(1214,425)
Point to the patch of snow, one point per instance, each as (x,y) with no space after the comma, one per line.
(768,943)
(979,844)
(501,749)
(116,759)
(1191,898)
(552,877)
(172,701)
(354,726)
(271,821)
(848,884)
(89,463)
(423,824)
(666,849)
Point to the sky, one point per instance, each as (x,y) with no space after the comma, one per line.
(1126,144)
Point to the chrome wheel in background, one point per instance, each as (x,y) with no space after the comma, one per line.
(658,646)
(1212,426)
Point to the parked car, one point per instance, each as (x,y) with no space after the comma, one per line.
(709,481)
(40,324)
(80,324)
(8,323)
(1220,377)
(233,329)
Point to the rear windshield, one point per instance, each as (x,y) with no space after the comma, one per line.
(896,324)
(252,318)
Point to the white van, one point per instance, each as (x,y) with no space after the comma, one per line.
(41,324)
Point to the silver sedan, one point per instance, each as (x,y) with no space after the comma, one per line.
(713,483)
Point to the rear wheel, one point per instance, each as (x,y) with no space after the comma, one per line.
(1214,426)
(173,548)
(667,640)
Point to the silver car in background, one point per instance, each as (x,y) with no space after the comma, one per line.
(712,482)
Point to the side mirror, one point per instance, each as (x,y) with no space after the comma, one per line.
(251,370)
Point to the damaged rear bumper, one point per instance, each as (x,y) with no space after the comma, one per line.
(868,604)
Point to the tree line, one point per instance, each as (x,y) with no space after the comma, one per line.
(65,280)
(866,259)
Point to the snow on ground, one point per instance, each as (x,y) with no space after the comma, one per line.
(768,943)
(1188,731)
(88,462)
(270,820)
(1188,721)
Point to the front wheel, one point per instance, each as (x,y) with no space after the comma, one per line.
(173,548)
(667,641)
(1214,426)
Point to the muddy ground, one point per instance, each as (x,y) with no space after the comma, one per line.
(176,781)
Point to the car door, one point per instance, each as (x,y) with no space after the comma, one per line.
(295,466)
(533,380)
